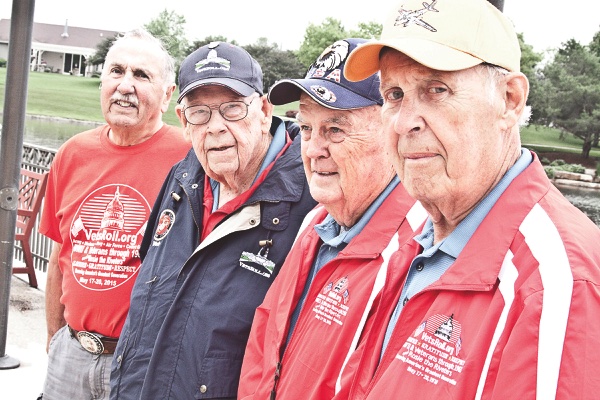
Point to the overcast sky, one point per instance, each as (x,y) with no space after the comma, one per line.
(545,24)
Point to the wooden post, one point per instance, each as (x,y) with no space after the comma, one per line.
(11,150)
(499,4)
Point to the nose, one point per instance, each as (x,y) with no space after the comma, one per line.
(408,120)
(316,147)
(216,123)
(127,84)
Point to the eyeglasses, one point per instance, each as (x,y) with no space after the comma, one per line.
(230,111)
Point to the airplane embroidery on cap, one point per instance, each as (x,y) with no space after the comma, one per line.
(407,17)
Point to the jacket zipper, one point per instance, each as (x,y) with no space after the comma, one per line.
(275,381)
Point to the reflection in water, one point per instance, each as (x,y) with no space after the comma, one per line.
(587,200)
(52,132)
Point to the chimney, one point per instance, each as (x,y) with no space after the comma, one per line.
(65,33)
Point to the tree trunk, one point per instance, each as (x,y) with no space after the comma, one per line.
(587,147)
(596,138)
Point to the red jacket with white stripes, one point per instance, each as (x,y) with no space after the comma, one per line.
(515,317)
(339,301)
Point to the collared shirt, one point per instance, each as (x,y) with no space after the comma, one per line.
(429,266)
(335,238)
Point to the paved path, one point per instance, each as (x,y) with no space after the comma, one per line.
(26,341)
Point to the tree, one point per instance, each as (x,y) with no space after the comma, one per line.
(529,58)
(276,64)
(368,30)
(101,50)
(572,90)
(169,27)
(529,62)
(318,37)
(199,43)
(595,44)
(594,47)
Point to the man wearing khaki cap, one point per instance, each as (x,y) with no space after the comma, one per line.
(501,301)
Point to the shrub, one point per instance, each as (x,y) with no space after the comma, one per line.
(545,161)
(3,63)
(557,162)
(549,172)
(577,168)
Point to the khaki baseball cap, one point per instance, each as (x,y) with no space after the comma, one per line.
(446,35)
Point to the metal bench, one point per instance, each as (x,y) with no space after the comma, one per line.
(32,188)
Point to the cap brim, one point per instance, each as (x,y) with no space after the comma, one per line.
(364,61)
(289,90)
(237,86)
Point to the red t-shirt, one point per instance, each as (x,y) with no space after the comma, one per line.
(97,204)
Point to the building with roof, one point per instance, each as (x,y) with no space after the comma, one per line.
(59,48)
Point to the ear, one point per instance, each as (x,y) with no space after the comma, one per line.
(517,89)
(179,112)
(184,124)
(267,109)
(167,100)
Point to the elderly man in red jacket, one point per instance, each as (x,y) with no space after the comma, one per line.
(313,316)
(501,298)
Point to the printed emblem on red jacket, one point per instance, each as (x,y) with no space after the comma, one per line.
(432,352)
(331,303)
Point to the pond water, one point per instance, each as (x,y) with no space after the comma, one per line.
(587,200)
(51,133)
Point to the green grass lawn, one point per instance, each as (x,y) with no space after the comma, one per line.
(67,96)
(79,98)
(544,139)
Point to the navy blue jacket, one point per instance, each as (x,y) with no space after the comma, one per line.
(192,306)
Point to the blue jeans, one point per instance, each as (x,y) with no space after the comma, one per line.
(74,373)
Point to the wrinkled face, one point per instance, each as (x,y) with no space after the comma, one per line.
(227,149)
(443,130)
(134,93)
(344,158)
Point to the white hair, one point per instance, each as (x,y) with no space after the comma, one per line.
(168,70)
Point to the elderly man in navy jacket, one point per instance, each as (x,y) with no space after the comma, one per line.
(218,234)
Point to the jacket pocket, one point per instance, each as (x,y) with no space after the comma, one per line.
(219,377)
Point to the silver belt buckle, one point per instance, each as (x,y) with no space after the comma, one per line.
(90,342)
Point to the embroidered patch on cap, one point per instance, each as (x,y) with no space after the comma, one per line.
(323,93)
(213,61)
(408,17)
(333,56)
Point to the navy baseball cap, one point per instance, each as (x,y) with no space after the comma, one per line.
(219,63)
(326,84)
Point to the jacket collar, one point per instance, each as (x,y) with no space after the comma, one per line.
(285,181)
(481,259)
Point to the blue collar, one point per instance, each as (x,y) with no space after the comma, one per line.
(333,234)
(456,241)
